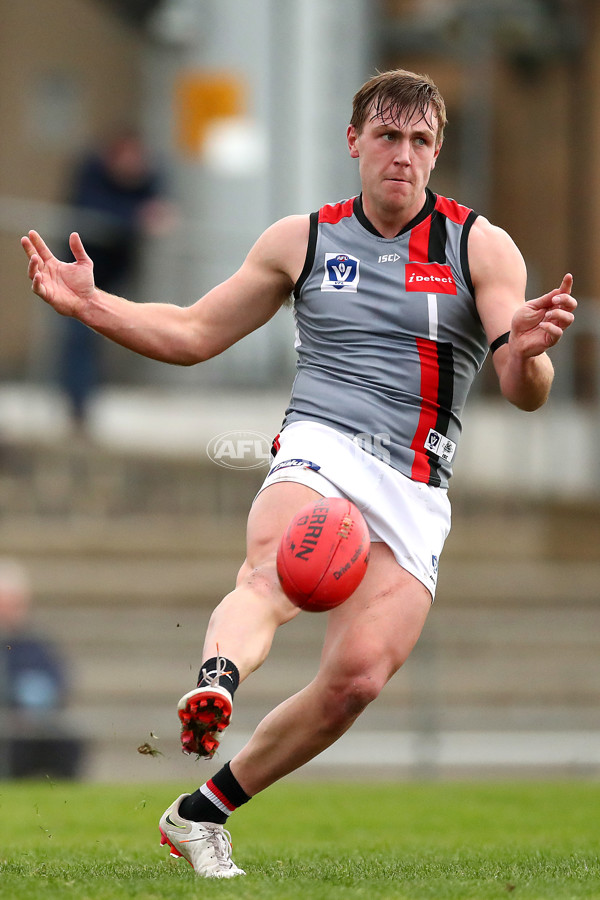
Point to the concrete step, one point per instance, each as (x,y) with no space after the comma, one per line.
(136,536)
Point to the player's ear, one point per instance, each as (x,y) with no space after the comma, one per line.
(351,136)
(435,155)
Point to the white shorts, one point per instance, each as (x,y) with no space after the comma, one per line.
(412,518)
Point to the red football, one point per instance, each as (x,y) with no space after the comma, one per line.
(323,555)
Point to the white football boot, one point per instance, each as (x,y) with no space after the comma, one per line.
(206,846)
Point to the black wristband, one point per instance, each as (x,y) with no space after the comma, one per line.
(503,339)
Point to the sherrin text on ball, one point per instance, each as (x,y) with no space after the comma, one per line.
(323,554)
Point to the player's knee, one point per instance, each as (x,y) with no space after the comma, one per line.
(351,695)
(261,579)
(263,584)
(363,690)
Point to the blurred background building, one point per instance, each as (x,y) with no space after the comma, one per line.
(129,531)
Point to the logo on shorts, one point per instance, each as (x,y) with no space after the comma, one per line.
(240,450)
(440,445)
(341,272)
(432,277)
(295,464)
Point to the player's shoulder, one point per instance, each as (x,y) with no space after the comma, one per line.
(486,233)
(282,246)
(493,254)
(285,234)
(289,228)
(491,242)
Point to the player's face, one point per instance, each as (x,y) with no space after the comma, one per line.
(396,157)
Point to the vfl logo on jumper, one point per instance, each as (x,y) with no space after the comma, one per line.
(432,277)
(440,445)
(341,272)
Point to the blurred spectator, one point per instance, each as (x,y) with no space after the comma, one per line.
(33,690)
(117,196)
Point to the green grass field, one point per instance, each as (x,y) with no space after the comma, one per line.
(310,841)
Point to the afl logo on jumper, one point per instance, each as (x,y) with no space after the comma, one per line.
(434,278)
(341,272)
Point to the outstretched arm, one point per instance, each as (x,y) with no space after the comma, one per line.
(174,334)
(524,369)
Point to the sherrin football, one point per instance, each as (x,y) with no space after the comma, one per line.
(323,554)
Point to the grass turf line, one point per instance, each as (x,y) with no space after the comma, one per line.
(324,841)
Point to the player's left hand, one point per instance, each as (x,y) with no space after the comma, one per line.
(539,324)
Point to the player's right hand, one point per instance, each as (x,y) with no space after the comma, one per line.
(67,287)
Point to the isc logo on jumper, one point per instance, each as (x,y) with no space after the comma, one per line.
(341,272)
(434,278)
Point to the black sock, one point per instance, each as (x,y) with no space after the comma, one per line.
(215,800)
(219,671)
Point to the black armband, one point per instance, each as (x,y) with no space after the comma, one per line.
(503,339)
